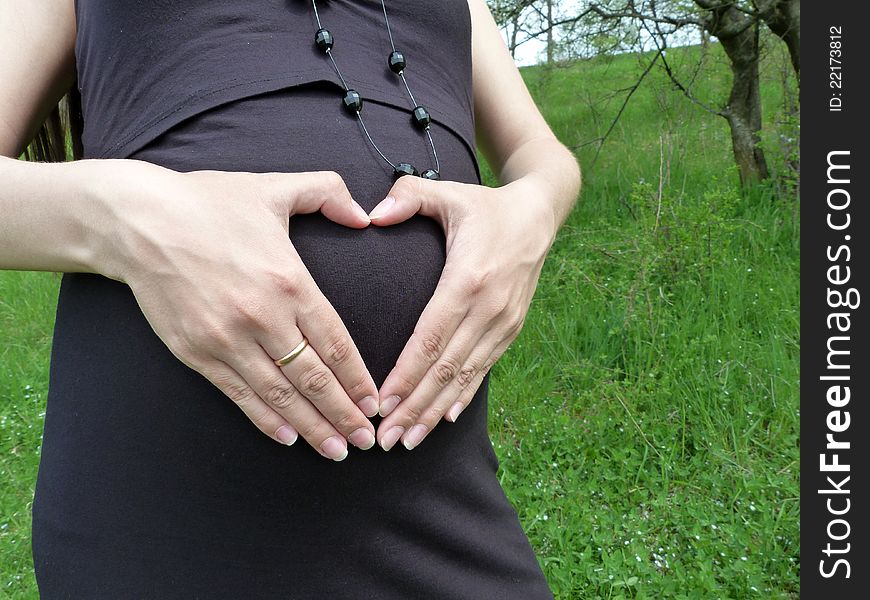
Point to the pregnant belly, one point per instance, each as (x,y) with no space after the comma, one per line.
(117,394)
(137,445)
(378,279)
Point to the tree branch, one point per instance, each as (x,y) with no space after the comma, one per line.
(631,90)
(673,77)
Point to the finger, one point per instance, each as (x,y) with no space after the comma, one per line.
(316,382)
(412,195)
(456,396)
(283,397)
(480,342)
(417,414)
(434,330)
(324,191)
(332,342)
(458,404)
(227,380)
(496,341)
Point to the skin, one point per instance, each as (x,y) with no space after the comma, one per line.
(231,307)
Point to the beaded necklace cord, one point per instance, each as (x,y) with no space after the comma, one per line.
(353,102)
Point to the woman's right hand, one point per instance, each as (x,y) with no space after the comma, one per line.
(209,260)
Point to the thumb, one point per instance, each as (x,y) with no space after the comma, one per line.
(324,191)
(411,195)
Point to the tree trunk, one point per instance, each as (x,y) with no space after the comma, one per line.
(739,38)
(550,51)
(515,26)
(783,17)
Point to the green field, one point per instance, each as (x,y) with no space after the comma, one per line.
(647,418)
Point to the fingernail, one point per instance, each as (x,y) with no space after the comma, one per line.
(391,437)
(383,208)
(362,438)
(389,405)
(359,210)
(286,435)
(415,436)
(334,448)
(369,406)
(454,411)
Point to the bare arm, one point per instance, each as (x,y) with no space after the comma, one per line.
(511,132)
(48,222)
(37,66)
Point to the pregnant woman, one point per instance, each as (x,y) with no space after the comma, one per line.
(283,289)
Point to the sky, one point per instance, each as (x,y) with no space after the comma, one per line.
(533,51)
(530,53)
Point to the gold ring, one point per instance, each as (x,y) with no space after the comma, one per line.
(293,353)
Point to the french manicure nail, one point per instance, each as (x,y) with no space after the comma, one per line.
(454,411)
(391,437)
(286,435)
(369,406)
(362,438)
(389,405)
(415,436)
(383,208)
(334,448)
(359,210)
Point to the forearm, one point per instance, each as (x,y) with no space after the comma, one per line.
(513,135)
(552,171)
(48,219)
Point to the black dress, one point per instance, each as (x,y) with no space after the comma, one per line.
(152,484)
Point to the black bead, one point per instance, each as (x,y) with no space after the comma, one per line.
(421,117)
(323,39)
(431,174)
(396,62)
(404,169)
(352,101)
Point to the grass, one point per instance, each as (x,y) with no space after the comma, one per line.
(27,302)
(647,418)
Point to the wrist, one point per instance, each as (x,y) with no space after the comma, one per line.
(537,198)
(103,184)
(547,173)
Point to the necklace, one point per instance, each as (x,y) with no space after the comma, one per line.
(353,102)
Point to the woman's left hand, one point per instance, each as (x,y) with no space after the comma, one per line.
(497,239)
